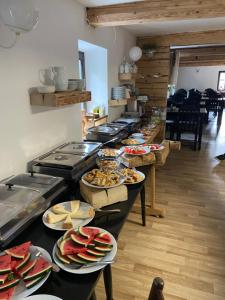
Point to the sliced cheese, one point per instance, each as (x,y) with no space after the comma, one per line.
(54,218)
(68,223)
(59,209)
(80,214)
(75,205)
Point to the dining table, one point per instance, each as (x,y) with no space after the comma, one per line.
(68,286)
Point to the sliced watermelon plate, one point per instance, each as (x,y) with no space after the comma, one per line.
(19,251)
(5,264)
(40,269)
(7,295)
(105,236)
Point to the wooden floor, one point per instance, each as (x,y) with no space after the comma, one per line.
(187,247)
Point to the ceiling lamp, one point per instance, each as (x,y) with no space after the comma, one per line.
(135,53)
(20,16)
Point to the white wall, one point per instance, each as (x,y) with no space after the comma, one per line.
(199,78)
(27,131)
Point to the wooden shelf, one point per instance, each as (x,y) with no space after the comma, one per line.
(129,76)
(59,99)
(120,102)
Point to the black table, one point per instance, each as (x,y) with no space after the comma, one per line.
(72,286)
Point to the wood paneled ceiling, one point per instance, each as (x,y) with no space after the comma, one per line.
(154,10)
(208,56)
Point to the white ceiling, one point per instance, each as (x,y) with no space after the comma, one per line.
(163,27)
(157,28)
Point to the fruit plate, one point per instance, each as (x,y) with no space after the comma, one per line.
(121,181)
(90,268)
(156,147)
(76,222)
(145,148)
(21,291)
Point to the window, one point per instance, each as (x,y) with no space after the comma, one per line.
(221,81)
(81,65)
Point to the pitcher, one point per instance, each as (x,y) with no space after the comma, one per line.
(60,78)
(46,76)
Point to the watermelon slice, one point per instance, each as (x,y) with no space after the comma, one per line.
(63,258)
(10,283)
(88,257)
(103,248)
(3,278)
(88,232)
(22,262)
(67,246)
(68,233)
(96,253)
(7,295)
(40,269)
(105,236)
(30,283)
(19,251)
(5,264)
(22,272)
(76,259)
(81,240)
(102,242)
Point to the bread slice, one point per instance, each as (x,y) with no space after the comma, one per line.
(59,209)
(75,205)
(83,214)
(67,223)
(54,218)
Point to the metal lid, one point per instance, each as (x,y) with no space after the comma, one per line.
(18,204)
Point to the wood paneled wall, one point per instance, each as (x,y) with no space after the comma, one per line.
(160,64)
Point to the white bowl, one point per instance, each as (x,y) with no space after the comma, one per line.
(137,135)
(46,89)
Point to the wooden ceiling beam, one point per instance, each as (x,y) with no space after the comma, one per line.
(214,51)
(154,10)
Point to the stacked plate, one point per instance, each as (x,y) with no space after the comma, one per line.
(118,92)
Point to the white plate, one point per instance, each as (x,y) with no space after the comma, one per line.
(142,179)
(121,181)
(110,256)
(42,297)
(137,136)
(161,147)
(21,291)
(139,142)
(147,150)
(76,222)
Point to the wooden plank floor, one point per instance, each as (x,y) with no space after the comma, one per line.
(187,247)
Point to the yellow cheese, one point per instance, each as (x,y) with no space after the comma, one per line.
(96,197)
(75,205)
(59,209)
(80,214)
(53,218)
(117,194)
(68,223)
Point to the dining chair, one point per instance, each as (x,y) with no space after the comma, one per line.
(156,292)
(189,121)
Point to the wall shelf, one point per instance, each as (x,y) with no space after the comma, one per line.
(129,76)
(59,99)
(120,102)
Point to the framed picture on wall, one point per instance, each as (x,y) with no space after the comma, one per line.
(221,81)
